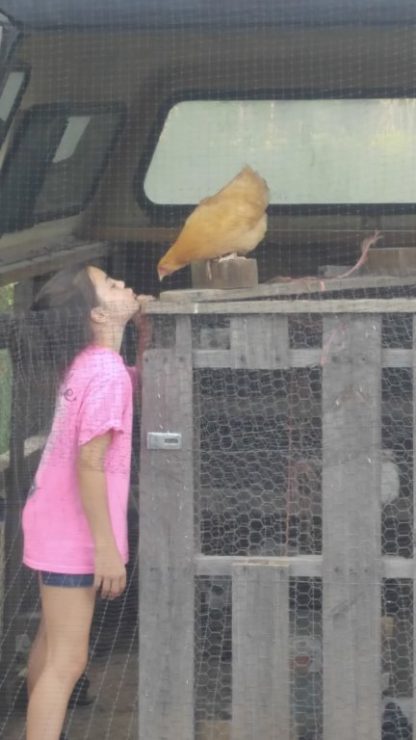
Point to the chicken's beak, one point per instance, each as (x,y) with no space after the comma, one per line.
(161,276)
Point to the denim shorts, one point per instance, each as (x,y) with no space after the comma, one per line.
(67,580)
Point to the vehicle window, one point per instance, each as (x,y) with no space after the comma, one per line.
(311,152)
(55,163)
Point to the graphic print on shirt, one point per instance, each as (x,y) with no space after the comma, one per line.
(57,441)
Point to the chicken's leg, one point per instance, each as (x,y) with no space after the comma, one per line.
(231,256)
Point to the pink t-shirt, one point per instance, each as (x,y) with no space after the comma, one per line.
(95,397)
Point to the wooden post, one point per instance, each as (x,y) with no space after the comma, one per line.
(238,272)
(351,569)
(261,683)
(260,342)
(18,482)
(166,547)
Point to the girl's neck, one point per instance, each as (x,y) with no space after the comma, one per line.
(108,337)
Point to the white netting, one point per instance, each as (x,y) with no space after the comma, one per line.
(274,602)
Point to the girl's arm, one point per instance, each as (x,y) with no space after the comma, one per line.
(110,571)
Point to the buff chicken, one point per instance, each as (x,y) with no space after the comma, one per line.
(232,222)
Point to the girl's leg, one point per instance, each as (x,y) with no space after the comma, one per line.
(67,615)
(37,657)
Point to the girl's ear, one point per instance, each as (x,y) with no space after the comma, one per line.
(98,315)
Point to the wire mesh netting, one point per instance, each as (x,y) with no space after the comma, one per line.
(264,478)
(260,494)
(257,457)
(270,514)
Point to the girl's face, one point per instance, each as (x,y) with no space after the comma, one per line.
(118,302)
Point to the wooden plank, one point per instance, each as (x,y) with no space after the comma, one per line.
(300,566)
(260,342)
(217,358)
(392,261)
(324,307)
(166,577)
(40,258)
(260,629)
(214,358)
(351,567)
(17,485)
(290,287)
(396,357)
(213,730)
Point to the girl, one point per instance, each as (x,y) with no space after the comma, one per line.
(75,517)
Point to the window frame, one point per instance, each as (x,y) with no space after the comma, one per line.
(69,109)
(12,33)
(170,213)
(25,69)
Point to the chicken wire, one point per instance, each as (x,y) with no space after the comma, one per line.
(257,454)
(257,464)
(259,493)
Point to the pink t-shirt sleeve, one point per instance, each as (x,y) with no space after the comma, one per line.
(102,408)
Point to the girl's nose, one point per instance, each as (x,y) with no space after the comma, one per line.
(121,283)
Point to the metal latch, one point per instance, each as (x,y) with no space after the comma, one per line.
(164,441)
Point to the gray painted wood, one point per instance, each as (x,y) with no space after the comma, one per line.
(260,606)
(289,287)
(351,567)
(166,548)
(45,256)
(300,566)
(217,358)
(298,306)
(17,484)
(231,274)
(260,342)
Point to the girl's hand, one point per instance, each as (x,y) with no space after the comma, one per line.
(141,301)
(110,572)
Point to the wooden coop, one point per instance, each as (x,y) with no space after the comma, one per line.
(273,412)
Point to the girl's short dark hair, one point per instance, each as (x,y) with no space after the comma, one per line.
(59,320)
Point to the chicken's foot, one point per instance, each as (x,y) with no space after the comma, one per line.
(231,256)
